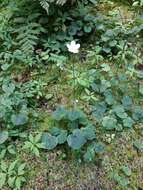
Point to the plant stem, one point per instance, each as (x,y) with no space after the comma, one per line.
(74,85)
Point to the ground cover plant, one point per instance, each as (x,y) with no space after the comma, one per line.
(71,87)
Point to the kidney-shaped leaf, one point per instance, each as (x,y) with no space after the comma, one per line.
(89,132)
(76,140)
(109,123)
(49,141)
(62,137)
(19,119)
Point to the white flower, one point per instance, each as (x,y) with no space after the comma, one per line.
(73,47)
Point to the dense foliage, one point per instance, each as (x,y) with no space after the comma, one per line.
(53,99)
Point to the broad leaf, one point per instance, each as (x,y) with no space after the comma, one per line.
(109,123)
(99,147)
(2,179)
(137,113)
(127,171)
(138,145)
(62,137)
(76,140)
(89,132)
(49,141)
(127,102)
(60,114)
(19,119)
(98,110)
(128,122)
(8,88)
(120,112)
(3,136)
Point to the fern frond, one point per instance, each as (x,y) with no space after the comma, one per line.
(27,33)
(46,3)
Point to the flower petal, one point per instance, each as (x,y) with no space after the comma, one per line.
(68,45)
(73,43)
(77,46)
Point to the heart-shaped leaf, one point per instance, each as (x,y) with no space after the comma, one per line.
(109,123)
(76,140)
(49,141)
(19,119)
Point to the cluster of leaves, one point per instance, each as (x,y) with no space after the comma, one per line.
(72,127)
(12,174)
(31,37)
(76,123)
(114,109)
(122,176)
(19,32)
(13,105)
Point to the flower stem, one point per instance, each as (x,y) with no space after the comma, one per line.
(74,84)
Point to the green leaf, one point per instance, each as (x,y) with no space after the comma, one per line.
(3,136)
(87,29)
(21,169)
(36,151)
(76,140)
(113,43)
(2,179)
(105,67)
(19,119)
(128,122)
(18,183)
(127,171)
(49,96)
(73,115)
(120,112)
(89,132)
(8,88)
(62,137)
(138,145)
(122,181)
(27,145)
(99,147)
(11,149)
(11,181)
(127,102)
(37,138)
(73,125)
(49,141)
(109,123)
(3,166)
(104,85)
(55,131)
(119,127)
(137,113)
(90,154)
(31,138)
(60,113)
(109,98)
(98,110)
(5,66)
(12,166)
(93,1)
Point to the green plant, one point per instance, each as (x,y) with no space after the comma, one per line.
(76,130)
(7,150)
(33,144)
(46,3)
(13,174)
